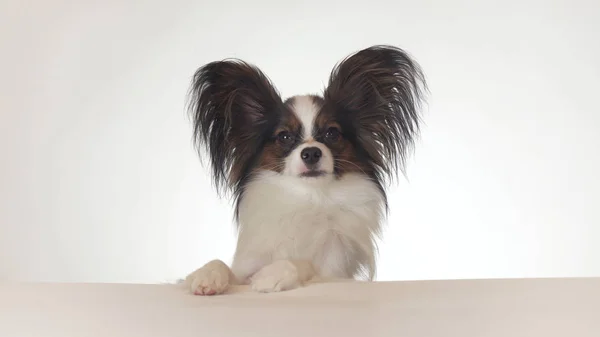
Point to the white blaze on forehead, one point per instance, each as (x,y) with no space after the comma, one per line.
(305,109)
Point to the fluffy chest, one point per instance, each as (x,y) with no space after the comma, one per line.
(299,228)
(331,222)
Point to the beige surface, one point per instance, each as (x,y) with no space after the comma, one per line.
(546,307)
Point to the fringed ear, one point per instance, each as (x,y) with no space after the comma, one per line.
(232,104)
(378,91)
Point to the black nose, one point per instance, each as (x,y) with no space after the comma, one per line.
(311,155)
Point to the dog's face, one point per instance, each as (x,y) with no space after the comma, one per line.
(293,148)
(364,123)
(308,142)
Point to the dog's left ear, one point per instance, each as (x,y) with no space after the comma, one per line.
(378,90)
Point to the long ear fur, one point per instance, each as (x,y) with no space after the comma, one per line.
(232,104)
(379,91)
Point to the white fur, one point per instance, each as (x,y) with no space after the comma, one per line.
(213,278)
(282,275)
(305,109)
(331,223)
(293,229)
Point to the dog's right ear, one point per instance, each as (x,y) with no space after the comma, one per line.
(233,105)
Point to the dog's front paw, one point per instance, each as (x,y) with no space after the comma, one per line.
(278,276)
(211,279)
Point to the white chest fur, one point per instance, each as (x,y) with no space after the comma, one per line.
(331,222)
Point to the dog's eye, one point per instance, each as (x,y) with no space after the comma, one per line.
(332,135)
(285,138)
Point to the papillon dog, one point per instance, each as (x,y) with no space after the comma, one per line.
(307,174)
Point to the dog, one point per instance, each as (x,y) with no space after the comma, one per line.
(308,174)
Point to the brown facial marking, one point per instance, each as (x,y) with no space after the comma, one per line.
(275,151)
(344,154)
(346,160)
(270,159)
(317,100)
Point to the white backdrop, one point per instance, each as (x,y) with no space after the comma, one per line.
(99,181)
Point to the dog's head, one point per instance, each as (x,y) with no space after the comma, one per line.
(365,121)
